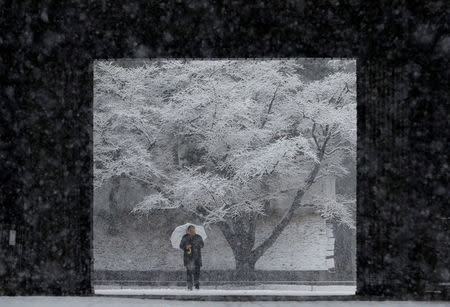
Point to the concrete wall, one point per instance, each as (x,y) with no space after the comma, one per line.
(324,187)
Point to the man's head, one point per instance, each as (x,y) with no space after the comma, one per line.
(191,230)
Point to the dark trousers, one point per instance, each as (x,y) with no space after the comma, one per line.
(193,274)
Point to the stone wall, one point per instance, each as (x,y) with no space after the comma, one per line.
(143,243)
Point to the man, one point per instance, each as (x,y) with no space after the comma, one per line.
(191,244)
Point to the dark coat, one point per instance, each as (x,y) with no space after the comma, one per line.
(196,255)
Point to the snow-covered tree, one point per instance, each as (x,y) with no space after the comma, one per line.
(222,139)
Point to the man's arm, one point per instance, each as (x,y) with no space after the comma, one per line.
(183,243)
(201,242)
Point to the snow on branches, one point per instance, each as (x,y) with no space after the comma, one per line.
(220,138)
(340,210)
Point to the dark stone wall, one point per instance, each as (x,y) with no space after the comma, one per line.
(48,47)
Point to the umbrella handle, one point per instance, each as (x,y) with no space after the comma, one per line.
(189,251)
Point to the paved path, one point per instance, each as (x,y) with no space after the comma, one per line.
(49,301)
(270,290)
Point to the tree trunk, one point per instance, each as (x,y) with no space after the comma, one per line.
(175,148)
(240,235)
(245,264)
(245,268)
(113,207)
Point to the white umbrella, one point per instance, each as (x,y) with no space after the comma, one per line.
(180,231)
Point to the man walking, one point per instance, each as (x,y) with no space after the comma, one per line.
(191,244)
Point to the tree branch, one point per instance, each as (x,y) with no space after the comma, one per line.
(278,229)
(276,163)
(270,107)
(150,141)
(307,117)
(314,136)
(336,149)
(252,229)
(229,235)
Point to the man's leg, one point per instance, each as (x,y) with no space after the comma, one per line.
(197,277)
(189,276)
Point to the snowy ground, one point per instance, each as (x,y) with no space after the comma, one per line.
(39,301)
(260,290)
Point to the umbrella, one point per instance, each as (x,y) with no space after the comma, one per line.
(180,231)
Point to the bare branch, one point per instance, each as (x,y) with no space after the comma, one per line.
(225,205)
(314,136)
(327,127)
(150,141)
(328,153)
(252,228)
(275,165)
(273,98)
(270,106)
(307,117)
(278,229)
(229,235)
